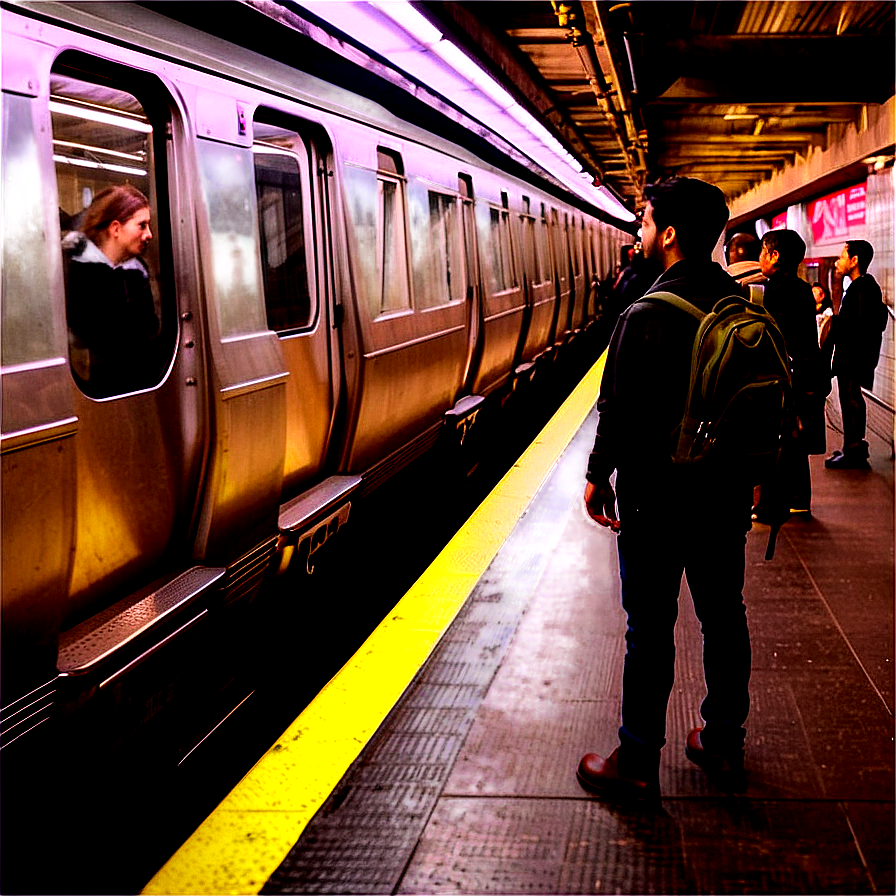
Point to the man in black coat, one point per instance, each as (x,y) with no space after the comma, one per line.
(857,337)
(789,300)
(669,521)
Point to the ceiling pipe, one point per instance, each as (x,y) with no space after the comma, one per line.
(601,34)
(583,44)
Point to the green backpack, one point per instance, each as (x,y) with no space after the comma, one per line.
(739,407)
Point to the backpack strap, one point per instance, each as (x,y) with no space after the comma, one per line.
(669,298)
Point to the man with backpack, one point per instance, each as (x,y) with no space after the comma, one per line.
(674,517)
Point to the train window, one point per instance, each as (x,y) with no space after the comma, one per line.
(227,175)
(541,244)
(440,268)
(29,329)
(283,219)
(109,177)
(498,259)
(576,250)
(533,248)
(391,256)
(376,203)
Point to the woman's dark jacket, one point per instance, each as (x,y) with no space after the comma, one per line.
(112,321)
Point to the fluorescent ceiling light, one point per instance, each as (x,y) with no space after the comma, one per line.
(265,149)
(86,163)
(397,32)
(90,114)
(130,156)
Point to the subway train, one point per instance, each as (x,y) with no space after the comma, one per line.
(336,291)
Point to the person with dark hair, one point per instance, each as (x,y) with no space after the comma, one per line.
(858,332)
(109,303)
(824,317)
(789,299)
(641,403)
(742,255)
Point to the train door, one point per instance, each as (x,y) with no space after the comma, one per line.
(296,261)
(134,355)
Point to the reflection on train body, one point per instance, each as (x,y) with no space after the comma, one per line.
(335,288)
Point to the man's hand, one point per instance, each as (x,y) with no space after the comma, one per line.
(600,502)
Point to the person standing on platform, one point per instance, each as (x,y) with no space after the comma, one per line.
(742,255)
(789,299)
(858,332)
(670,520)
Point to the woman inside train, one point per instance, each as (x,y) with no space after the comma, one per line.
(824,311)
(111,313)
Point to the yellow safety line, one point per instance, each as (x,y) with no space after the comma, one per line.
(237,848)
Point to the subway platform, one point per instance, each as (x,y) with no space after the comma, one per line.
(463,781)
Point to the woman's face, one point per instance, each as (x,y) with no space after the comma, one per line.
(819,297)
(133,236)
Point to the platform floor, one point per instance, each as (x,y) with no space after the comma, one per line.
(469,787)
(469,784)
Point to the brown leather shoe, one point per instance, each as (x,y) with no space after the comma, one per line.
(726,770)
(602,776)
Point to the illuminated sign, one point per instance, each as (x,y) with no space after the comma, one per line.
(836,216)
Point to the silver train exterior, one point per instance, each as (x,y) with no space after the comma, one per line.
(335,287)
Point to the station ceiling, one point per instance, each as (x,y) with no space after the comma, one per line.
(729,92)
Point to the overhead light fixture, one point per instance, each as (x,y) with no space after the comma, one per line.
(878,163)
(90,113)
(398,32)
(740,116)
(101,166)
(129,156)
(266,149)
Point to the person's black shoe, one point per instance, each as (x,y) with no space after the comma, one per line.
(725,770)
(847,461)
(602,776)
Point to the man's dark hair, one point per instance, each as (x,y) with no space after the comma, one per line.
(790,246)
(863,251)
(697,210)
(742,247)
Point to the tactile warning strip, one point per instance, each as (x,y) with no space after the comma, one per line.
(243,841)
(388,794)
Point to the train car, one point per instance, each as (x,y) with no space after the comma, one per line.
(334,288)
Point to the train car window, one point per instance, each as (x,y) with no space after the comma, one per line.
(391,256)
(284,218)
(541,244)
(530,255)
(576,249)
(227,176)
(26,327)
(498,259)
(443,280)
(377,206)
(109,175)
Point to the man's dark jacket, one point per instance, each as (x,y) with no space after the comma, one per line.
(859,330)
(790,302)
(645,381)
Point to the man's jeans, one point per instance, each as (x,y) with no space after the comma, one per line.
(658,541)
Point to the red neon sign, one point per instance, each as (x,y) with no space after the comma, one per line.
(833,217)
